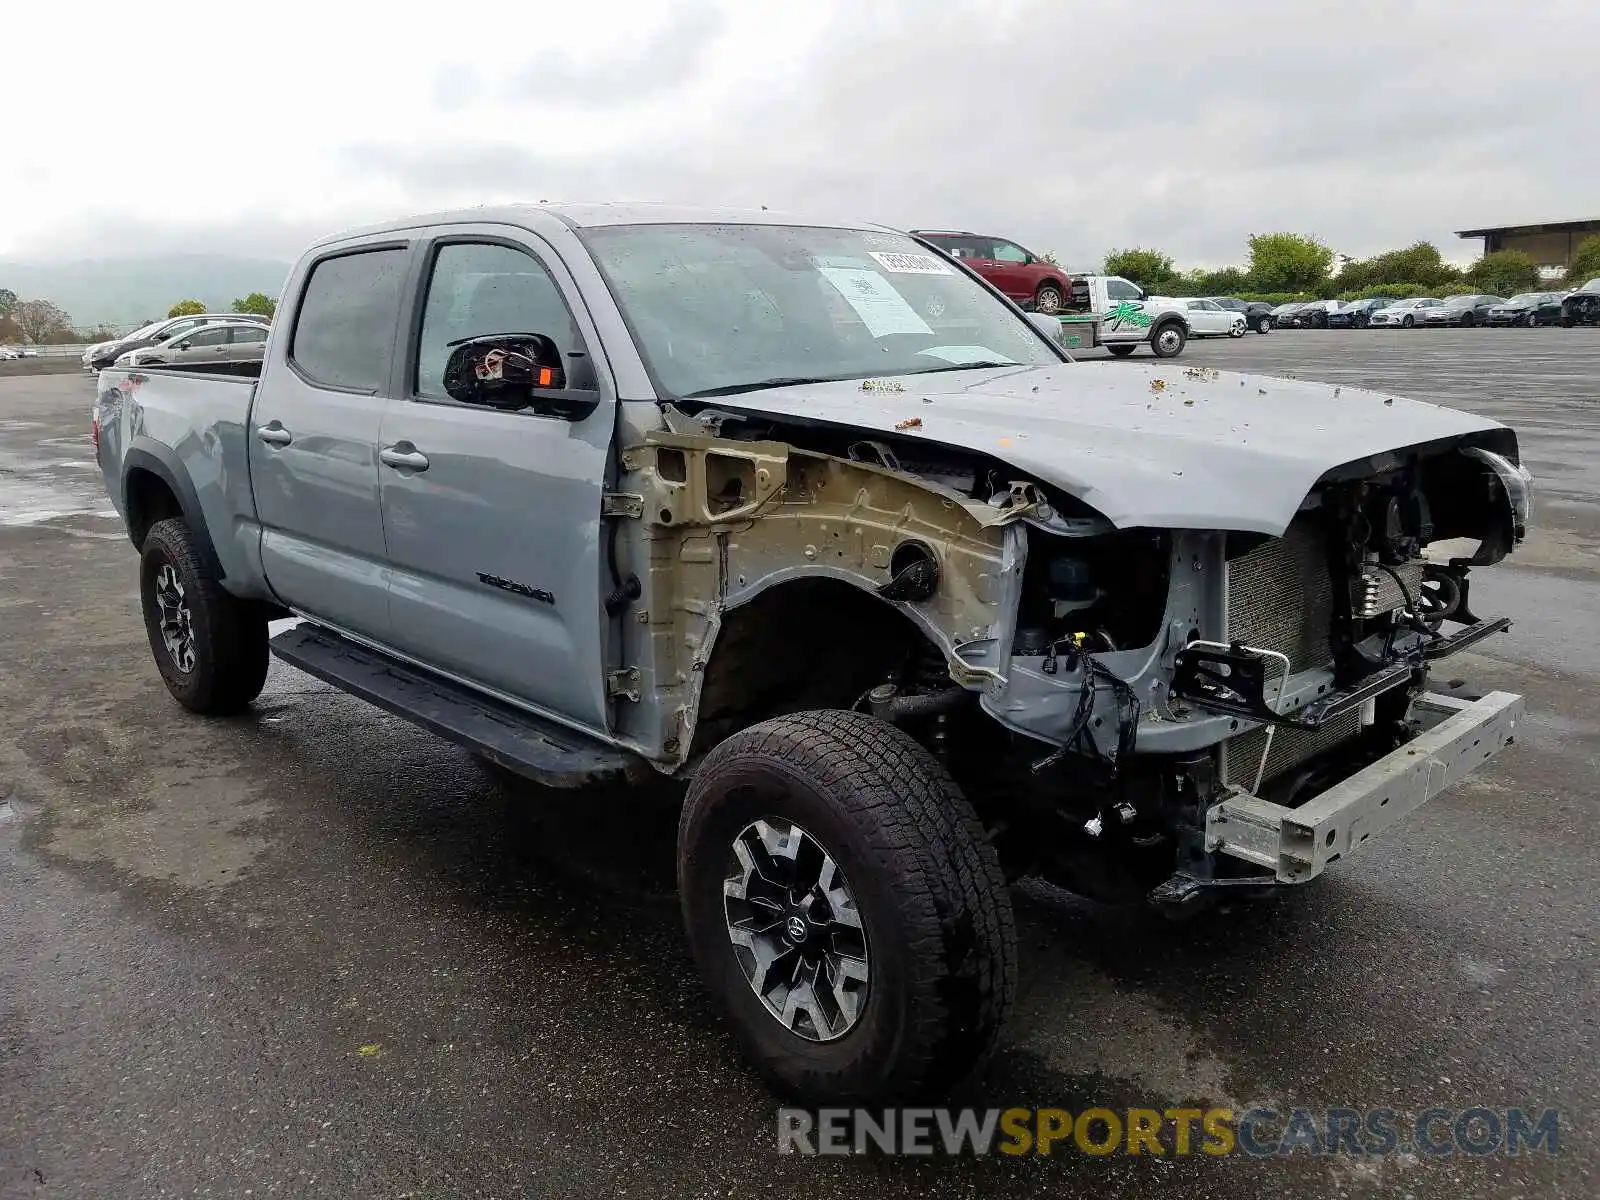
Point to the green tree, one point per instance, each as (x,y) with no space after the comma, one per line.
(8,301)
(1223,282)
(1504,273)
(1419,263)
(258,304)
(186,308)
(1147,268)
(1048,256)
(1585,262)
(1288,262)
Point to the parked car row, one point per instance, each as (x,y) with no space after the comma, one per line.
(1576,307)
(182,339)
(12,353)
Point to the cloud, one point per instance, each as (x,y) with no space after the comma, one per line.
(1076,128)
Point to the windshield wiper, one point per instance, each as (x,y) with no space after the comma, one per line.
(966,366)
(731,389)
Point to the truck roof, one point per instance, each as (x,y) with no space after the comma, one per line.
(589,216)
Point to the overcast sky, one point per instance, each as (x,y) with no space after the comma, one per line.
(1074,126)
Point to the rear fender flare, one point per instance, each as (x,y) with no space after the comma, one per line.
(146,454)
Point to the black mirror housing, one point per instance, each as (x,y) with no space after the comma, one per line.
(512,372)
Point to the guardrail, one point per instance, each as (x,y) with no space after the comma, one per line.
(68,351)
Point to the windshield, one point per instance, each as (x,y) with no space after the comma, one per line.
(725,308)
(1524,298)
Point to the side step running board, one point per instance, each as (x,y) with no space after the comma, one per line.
(540,750)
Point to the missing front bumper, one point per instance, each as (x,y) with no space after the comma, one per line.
(1297,844)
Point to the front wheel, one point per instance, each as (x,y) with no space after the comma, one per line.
(1236,329)
(1408,322)
(844,906)
(1468,320)
(1121,349)
(1263,324)
(1047,299)
(1168,339)
(1533,320)
(210,646)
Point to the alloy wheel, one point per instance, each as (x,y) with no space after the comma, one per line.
(177,624)
(795,929)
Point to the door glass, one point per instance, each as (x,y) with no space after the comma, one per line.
(1008,252)
(1121,289)
(207,337)
(249,335)
(479,289)
(344,331)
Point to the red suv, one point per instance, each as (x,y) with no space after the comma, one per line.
(1019,273)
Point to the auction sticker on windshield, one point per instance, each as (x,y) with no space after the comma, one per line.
(910,264)
(881,309)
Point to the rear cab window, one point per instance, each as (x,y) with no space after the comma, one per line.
(344,329)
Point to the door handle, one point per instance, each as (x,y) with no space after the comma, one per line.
(411,460)
(274,434)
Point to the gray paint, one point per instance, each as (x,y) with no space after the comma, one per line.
(391,555)
(1217,450)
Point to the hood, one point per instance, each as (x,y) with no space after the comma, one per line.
(1211,450)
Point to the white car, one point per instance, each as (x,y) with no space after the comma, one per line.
(1405,313)
(7,354)
(1207,318)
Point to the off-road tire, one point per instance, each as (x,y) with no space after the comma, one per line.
(1048,299)
(1159,334)
(940,935)
(230,635)
(1122,349)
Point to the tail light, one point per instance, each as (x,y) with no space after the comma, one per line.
(94,428)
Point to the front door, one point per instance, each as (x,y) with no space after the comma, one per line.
(1010,270)
(314,440)
(493,517)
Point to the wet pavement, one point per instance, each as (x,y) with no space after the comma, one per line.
(314,951)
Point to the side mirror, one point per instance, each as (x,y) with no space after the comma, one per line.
(513,371)
(184,345)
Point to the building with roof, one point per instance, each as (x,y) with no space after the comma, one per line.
(1551,244)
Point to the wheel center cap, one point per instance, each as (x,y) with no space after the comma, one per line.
(796,929)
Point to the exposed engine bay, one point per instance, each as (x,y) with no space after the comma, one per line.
(1127,680)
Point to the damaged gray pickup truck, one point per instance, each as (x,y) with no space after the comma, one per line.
(808,516)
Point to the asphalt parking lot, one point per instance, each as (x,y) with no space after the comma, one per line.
(315,951)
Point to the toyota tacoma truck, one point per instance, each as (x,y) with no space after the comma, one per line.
(808,517)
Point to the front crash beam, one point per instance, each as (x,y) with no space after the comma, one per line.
(1297,844)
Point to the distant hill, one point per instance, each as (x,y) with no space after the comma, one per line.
(125,291)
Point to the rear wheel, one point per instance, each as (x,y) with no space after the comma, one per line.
(210,646)
(1167,339)
(1047,299)
(844,906)
(1121,349)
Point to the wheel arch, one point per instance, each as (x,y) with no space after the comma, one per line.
(797,643)
(154,488)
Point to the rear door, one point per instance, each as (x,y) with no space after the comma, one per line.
(493,517)
(246,343)
(205,343)
(314,437)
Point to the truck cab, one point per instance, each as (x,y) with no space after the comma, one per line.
(1127,315)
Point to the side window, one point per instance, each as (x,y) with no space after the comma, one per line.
(1121,289)
(207,337)
(176,332)
(241,334)
(344,331)
(478,289)
(1010,252)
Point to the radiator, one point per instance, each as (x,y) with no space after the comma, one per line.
(1280,597)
